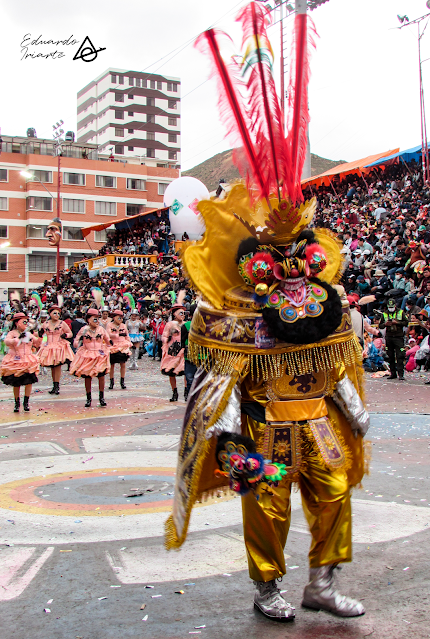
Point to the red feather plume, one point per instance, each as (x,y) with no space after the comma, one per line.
(298,107)
(275,162)
(232,111)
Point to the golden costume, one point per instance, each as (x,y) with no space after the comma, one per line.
(279,379)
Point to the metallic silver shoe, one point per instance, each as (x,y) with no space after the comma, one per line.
(321,594)
(269,601)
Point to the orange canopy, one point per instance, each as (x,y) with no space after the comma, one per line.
(342,170)
(105,225)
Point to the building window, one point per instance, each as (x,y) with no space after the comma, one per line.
(152,84)
(39,203)
(138,82)
(150,118)
(42,263)
(74,178)
(119,115)
(172,104)
(130,130)
(3,231)
(130,96)
(105,208)
(130,82)
(3,204)
(150,135)
(119,133)
(139,185)
(160,86)
(134,209)
(43,176)
(36,231)
(173,155)
(162,188)
(3,175)
(150,153)
(144,85)
(72,233)
(113,78)
(173,137)
(3,262)
(119,97)
(172,86)
(121,79)
(119,149)
(100,236)
(73,206)
(130,113)
(106,181)
(130,148)
(150,102)
(172,121)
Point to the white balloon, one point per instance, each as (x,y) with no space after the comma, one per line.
(181,196)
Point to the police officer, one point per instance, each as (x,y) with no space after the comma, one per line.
(394,320)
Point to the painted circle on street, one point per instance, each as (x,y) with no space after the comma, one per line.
(102,492)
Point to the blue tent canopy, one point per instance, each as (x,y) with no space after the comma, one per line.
(406,156)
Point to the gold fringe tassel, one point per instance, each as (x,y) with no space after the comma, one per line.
(302,360)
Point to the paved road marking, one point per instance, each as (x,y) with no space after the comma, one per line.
(13,581)
(129,442)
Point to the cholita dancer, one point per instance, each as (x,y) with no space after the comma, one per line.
(20,365)
(135,328)
(56,351)
(120,346)
(172,360)
(92,357)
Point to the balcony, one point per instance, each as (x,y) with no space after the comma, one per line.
(116,261)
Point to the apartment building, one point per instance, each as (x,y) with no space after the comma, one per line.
(92,191)
(136,114)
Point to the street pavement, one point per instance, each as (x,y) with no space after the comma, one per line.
(84,494)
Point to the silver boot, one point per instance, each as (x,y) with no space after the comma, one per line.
(133,364)
(321,594)
(270,602)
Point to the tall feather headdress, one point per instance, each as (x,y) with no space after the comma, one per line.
(271,161)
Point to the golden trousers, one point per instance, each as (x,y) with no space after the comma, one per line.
(327,507)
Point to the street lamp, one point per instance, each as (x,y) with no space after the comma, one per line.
(31,177)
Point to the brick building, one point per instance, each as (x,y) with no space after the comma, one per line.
(92,191)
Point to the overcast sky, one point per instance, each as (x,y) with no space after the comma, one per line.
(364,92)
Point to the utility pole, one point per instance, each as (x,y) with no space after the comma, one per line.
(424,145)
(58,132)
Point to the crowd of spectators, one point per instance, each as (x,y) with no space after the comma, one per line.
(382,220)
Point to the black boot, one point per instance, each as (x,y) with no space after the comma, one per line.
(112,382)
(88,402)
(55,390)
(26,406)
(17,405)
(393,375)
(123,386)
(185,393)
(102,398)
(174,397)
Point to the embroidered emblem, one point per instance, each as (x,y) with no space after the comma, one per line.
(327,442)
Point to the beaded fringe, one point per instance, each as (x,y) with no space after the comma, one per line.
(304,359)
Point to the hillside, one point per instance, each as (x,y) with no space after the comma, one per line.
(220,166)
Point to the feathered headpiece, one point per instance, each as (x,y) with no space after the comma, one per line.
(36,297)
(97,294)
(130,300)
(272,161)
